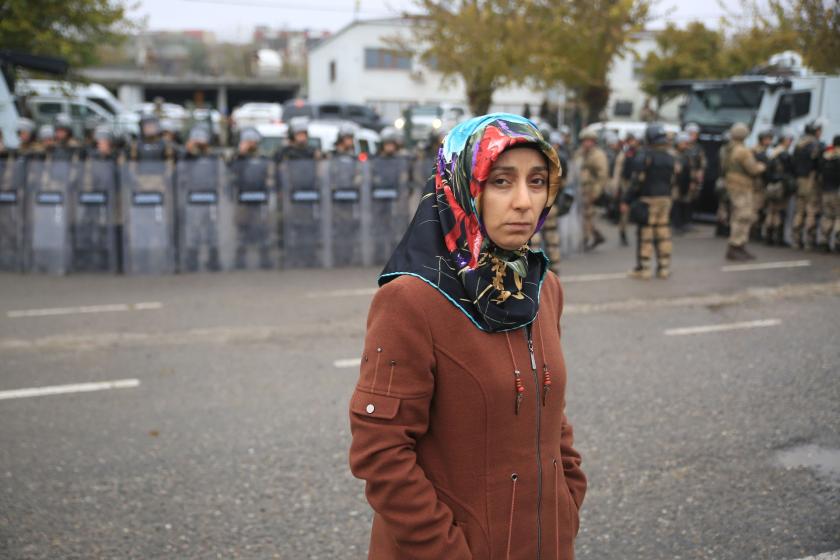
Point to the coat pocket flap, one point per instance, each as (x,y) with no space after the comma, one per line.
(375,406)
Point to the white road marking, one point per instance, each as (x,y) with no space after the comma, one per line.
(73,388)
(348,363)
(765,266)
(108,308)
(593,277)
(720,328)
(835,555)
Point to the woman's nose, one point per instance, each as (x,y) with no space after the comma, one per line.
(521,199)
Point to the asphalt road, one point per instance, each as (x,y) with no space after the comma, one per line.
(704,444)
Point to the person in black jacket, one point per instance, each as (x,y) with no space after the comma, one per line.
(830,182)
(653,178)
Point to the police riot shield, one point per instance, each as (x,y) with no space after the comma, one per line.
(12,181)
(422,171)
(50,187)
(349,228)
(389,192)
(147,211)
(251,185)
(304,225)
(94,224)
(203,215)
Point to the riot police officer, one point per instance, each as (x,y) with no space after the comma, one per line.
(761,152)
(681,211)
(298,147)
(26,137)
(198,142)
(740,171)
(806,156)
(150,146)
(697,163)
(830,183)
(345,144)
(592,163)
(781,185)
(390,141)
(66,147)
(622,176)
(46,139)
(650,192)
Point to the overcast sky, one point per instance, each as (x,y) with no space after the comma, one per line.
(235,19)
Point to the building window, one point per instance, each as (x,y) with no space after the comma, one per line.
(332,71)
(387,59)
(623,108)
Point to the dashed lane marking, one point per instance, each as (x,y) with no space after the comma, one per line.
(72,388)
(108,308)
(726,327)
(765,266)
(348,363)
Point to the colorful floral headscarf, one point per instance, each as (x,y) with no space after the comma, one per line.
(446,244)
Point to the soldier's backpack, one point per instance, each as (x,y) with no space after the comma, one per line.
(831,171)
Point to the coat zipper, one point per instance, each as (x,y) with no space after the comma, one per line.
(539,455)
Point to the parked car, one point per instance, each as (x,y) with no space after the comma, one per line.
(326,133)
(253,114)
(274,137)
(85,115)
(623,128)
(426,119)
(360,114)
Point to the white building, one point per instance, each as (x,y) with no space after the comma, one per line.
(358,65)
(625,80)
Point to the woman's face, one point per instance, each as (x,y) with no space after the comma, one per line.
(514,196)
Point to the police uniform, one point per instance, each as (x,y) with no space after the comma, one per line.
(807,202)
(740,171)
(780,187)
(759,192)
(594,174)
(830,183)
(653,179)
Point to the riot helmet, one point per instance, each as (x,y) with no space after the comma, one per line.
(149,126)
(739,132)
(655,134)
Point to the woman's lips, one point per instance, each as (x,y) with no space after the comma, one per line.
(518,225)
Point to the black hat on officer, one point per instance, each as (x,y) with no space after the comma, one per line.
(655,134)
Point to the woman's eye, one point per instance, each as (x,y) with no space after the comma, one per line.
(500,181)
(539,181)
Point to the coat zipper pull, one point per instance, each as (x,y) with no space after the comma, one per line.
(531,352)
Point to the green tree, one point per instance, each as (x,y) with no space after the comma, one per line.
(816,24)
(574,42)
(71,29)
(695,52)
(476,40)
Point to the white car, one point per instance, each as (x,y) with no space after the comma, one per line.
(274,137)
(623,128)
(253,114)
(326,133)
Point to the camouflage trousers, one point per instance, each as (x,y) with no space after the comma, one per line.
(590,195)
(774,213)
(549,239)
(742,214)
(655,236)
(830,220)
(805,210)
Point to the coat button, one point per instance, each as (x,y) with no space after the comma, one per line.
(370,408)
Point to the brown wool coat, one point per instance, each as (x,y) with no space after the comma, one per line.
(436,437)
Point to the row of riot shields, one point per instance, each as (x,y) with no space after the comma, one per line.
(199,214)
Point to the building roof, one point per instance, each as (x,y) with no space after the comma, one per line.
(396,21)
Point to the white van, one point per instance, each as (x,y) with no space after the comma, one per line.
(125,122)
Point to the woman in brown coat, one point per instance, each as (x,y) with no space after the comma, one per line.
(458,419)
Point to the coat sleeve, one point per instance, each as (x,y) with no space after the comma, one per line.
(749,163)
(389,413)
(575,478)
